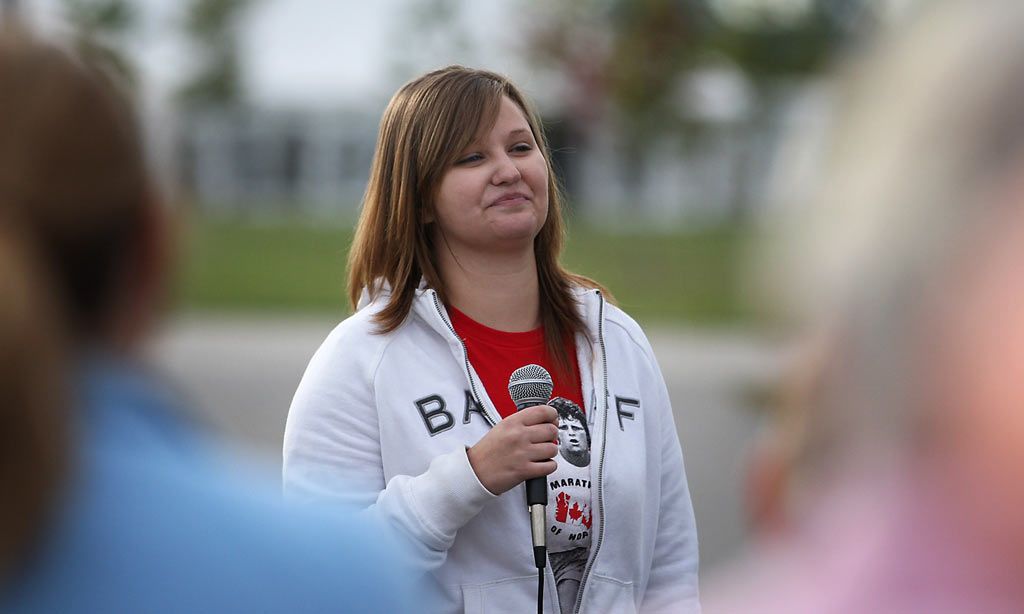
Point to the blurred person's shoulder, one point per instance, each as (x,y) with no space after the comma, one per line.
(150,524)
(229,532)
(287,557)
(205,537)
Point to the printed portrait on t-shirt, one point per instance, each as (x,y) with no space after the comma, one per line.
(569,485)
(569,518)
(573,433)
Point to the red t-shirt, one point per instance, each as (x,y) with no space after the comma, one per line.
(495,354)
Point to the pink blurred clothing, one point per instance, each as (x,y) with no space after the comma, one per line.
(880,546)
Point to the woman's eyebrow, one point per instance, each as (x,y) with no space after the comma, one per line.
(519,131)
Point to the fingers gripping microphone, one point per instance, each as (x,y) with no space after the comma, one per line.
(529,386)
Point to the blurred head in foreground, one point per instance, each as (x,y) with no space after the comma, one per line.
(896,480)
(81,256)
(111,502)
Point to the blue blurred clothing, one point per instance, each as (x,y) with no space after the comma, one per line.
(155,520)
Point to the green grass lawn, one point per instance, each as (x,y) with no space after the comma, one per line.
(689,277)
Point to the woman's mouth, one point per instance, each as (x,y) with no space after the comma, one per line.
(511,198)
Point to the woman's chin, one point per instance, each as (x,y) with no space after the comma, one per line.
(513,241)
(516,230)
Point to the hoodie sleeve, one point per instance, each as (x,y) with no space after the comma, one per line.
(672,584)
(332,453)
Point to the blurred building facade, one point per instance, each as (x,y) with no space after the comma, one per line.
(660,113)
(256,161)
(315,164)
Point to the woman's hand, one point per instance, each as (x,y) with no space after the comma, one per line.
(518,448)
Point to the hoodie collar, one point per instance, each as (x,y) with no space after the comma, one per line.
(428,306)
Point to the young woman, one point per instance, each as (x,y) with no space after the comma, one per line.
(111,502)
(405,408)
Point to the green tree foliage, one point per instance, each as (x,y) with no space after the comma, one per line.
(632,53)
(654,42)
(102,27)
(768,42)
(624,63)
(438,30)
(211,26)
(620,56)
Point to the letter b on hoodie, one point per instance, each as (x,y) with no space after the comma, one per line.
(435,417)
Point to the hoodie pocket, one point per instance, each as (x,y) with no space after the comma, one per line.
(606,594)
(509,596)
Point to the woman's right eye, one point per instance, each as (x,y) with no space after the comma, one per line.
(469,159)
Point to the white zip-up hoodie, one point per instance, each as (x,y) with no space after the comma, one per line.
(383,421)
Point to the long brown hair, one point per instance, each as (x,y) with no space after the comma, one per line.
(72,191)
(427,124)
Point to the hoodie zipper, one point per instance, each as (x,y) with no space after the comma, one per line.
(600,464)
(465,358)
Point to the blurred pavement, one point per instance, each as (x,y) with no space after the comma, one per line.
(240,373)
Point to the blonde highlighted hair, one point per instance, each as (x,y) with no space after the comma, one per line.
(900,200)
(426,126)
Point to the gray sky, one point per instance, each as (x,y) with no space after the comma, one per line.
(322,53)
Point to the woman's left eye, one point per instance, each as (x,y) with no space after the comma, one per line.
(522,147)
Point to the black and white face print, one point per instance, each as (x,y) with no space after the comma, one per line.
(573,432)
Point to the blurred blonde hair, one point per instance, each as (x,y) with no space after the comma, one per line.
(426,126)
(929,123)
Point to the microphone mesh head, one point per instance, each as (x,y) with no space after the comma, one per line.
(530,385)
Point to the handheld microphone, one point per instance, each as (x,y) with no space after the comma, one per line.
(528,386)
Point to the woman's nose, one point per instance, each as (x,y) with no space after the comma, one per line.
(507,171)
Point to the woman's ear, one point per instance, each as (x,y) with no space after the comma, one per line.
(427,215)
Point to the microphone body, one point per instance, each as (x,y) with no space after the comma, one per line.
(530,386)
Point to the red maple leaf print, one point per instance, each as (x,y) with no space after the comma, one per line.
(561,507)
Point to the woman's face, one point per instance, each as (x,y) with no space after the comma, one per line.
(495,196)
